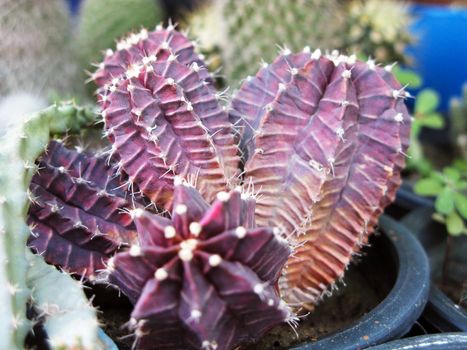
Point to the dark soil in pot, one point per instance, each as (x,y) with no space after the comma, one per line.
(365,285)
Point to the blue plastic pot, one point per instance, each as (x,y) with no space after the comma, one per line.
(440,53)
(396,314)
(74,6)
(447,341)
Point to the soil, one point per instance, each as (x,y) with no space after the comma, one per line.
(365,285)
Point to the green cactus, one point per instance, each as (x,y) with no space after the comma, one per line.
(458,114)
(378,28)
(104,21)
(70,322)
(250,31)
(18,150)
(254,28)
(36,50)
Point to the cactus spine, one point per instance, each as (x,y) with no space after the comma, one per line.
(18,150)
(35,46)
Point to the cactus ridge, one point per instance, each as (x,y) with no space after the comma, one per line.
(137,47)
(205,278)
(326,144)
(76,213)
(165,120)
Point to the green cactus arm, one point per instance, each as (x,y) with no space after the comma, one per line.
(18,150)
(70,322)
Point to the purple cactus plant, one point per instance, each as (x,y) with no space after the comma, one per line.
(322,139)
(77,217)
(204,279)
(326,138)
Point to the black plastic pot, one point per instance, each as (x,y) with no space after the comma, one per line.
(446,341)
(408,200)
(396,314)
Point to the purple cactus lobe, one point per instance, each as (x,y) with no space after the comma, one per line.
(164,120)
(325,150)
(77,216)
(204,278)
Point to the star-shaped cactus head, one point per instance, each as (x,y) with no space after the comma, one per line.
(204,279)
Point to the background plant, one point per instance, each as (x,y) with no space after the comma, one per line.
(458,119)
(425,116)
(36,44)
(250,31)
(449,187)
(378,28)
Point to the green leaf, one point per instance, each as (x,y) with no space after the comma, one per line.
(445,202)
(461,164)
(452,173)
(432,121)
(461,185)
(454,224)
(427,101)
(428,187)
(461,204)
(416,128)
(407,77)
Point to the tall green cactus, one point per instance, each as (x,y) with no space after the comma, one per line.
(255,27)
(35,45)
(69,319)
(18,150)
(247,32)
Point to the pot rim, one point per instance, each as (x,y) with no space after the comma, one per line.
(445,341)
(398,311)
